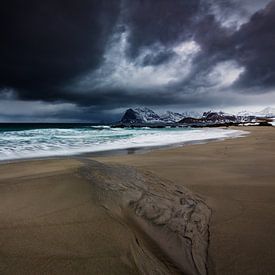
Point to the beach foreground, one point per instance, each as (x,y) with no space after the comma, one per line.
(84,217)
(237,179)
(77,215)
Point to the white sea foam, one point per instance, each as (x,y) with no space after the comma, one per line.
(58,142)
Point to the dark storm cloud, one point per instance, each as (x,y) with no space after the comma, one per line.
(46,43)
(134,52)
(122,98)
(234,13)
(162,22)
(255,44)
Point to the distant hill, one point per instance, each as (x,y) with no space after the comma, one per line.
(145,116)
(140,115)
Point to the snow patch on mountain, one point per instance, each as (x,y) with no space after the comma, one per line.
(147,115)
(171,117)
(267,112)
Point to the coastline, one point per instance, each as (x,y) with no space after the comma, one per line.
(53,143)
(131,150)
(234,176)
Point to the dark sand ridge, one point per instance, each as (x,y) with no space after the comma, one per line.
(53,220)
(237,179)
(77,216)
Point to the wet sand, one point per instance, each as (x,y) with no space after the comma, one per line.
(56,218)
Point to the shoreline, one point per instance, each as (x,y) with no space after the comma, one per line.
(130,150)
(49,212)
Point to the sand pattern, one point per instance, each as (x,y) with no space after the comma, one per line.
(171,223)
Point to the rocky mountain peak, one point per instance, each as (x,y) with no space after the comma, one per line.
(140,115)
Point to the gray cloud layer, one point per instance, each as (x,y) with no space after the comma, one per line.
(88,60)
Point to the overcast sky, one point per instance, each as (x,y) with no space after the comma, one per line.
(88,60)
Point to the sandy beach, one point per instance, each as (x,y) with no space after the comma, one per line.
(96,215)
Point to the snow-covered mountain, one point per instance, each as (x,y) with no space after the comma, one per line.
(171,117)
(140,115)
(219,117)
(245,113)
(146,115)
(267,112)
(176,117)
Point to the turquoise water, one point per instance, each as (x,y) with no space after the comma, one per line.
(29,141)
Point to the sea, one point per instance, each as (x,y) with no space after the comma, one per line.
(35,140)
